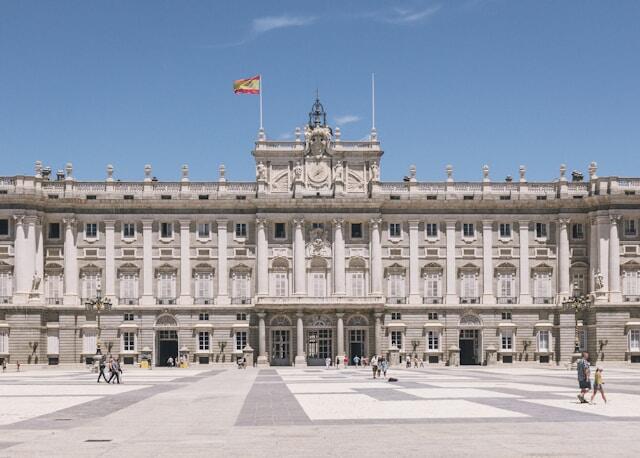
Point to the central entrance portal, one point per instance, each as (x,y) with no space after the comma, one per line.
(167,345)
(356,344)
(469,347)
(280,347)
(319,346)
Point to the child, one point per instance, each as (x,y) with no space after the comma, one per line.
(597,386)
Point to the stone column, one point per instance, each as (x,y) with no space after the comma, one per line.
(30,251)
(70,263)
(262,340)
(525,294)
(340,336)
(262,255)
(603,252)
(223,271)
(20,261)
(300,356)
(110,260)
(615,294)
(299,268)
(376,257)
(452,297)
(39,267)
(487,263)
(376,335)
(339,281)
(414,264)
(564,259)
(593,253)
(185,264)
(567,335)
(147,262)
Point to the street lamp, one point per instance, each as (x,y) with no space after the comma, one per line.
(577,303)
(98,305)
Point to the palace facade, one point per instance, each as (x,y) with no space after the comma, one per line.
(318,258)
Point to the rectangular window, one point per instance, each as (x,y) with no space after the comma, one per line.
(91,230)
(542,285)
(166,285)
(241,316)
(468,230)
(54,231)
(432,285)
(204,285)
(505,230)
(432,230)
(203,341)
(396,285)
(395,230)
(128,317)
(577,231)
(396,339)
(53,342)
(630,229)
(241,340)
(241,230)
(468,285)
(318,284)
(357,284)
(280,231)
(543,341)
(432,316)
(396,315)
(128,286)
(128,341)
(280,283)
(4,341)
(631,283)
(317,226)
(634,340)
(579,284)
(203,317)
(356,230)
(166,230)
(506,283)
(53,286)
(129,230)
(506,340)
(241,285)
(506,315)
(4,227)
(90,285)
(433,341)
(6,282)
(541,230)
(204,230)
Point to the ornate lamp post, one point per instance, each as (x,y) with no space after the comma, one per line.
(578,304)
(98,305)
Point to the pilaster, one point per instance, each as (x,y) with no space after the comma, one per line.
(223,270)
(414,263)
(525,291)
(451,297)
(147,262)
(488,296)
(339,280)
(70,262)
(185,264)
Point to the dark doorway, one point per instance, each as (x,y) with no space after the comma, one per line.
(280,347)
(356,349)
(469,347)
(167,347)
(319,346)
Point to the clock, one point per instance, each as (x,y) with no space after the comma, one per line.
(317,172)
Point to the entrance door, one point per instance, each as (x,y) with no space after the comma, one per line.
(167,346)
(280,347)
(469,347)
(319,346)
(356,344)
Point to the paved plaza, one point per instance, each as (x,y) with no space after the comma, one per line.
(316,412)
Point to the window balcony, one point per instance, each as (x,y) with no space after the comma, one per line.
(241,300)
(469,300)
(543,300)
(166,300)
(631,298)
(396,300)
(128,301)
(5,299)
(54,300)
(432,300)
(507,300)
(204,300)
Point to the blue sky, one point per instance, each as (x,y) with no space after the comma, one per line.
(463,82)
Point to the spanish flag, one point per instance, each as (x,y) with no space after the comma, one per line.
(247,85)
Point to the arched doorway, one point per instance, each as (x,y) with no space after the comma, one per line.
(319,330)
(470,340)
(166,340)
(357,326)
(280,327)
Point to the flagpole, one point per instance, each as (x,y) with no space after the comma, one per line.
(260,92)
(374,134)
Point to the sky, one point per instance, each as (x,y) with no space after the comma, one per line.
(466,83)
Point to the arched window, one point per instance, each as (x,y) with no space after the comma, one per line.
(280,277)
(318,277)
(356,277)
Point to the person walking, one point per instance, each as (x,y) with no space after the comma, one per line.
(102,366)
(4,365)
(374,365)
(337,362)
(170,361)
(598,383)
(346,361)
(383,365)
(327,362)
(584,376)
(115,371)
(356,360)
(18,366)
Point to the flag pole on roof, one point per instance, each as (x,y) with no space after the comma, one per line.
(251,85)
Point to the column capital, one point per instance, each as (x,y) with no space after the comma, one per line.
(300,314)
(487,223)
(147,223)
(261,222)
(375,222)
(523,224)
(298,221)
(19,219)
(109,223)
(340,315)
(450,223)
(615,219)
(184,224)
(414,223)
(338,223)
(222,222)
(69,222)
(564,221)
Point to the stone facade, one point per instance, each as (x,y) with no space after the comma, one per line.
(318,258)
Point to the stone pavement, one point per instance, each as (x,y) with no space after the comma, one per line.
(316,412)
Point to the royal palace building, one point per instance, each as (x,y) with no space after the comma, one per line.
(318,258)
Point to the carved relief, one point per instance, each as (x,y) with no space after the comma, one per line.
(355,181)
(280,181)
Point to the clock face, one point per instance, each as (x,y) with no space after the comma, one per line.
(317,172)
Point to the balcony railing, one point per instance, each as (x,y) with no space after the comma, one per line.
(469,300)
(128,301)
(5,299)
(543,300)
(506,300)
(54,300)
(241,300)
(631,298)
(432,300)
(166,300)
(396,300)
(204,300)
